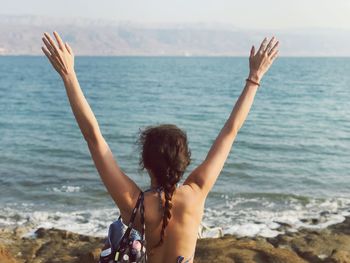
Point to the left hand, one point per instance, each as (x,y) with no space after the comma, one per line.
(60,55)
(261,61)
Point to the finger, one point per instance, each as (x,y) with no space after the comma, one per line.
(263,45)
(271,43)
(252,51)
(274,52)
(52,52)
(275,55)
(46,52)
(56,51)
(52,42)
(51,59)
(273,49)
(59,40)
(48,46)
(69,49)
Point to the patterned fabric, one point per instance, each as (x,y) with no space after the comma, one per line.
(124,242)
(181,258)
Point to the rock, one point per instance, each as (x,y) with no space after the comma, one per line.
(343,228)
(53,245)
(331,245)
(5,256)
(339,256)
(91,257)
(20,231)
(40,232)
(229,249)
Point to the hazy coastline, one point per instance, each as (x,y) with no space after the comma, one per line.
(20,35)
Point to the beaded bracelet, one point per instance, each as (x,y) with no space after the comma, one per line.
(252,81)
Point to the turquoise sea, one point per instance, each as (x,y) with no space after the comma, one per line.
(290,163)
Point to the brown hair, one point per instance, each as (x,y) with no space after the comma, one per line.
(164,151)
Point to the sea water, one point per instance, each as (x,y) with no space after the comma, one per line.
(289,165)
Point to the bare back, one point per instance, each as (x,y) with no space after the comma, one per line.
(182,230)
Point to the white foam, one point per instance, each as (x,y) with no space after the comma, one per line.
(270,220)
(239,216)
(66,189)
(90,222)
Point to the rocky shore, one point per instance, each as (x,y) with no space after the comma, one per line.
(330,245)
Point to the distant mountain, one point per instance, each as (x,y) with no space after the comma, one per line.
(21,35)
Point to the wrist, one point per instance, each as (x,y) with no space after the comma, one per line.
(255,76)
(252,83)
(68,76)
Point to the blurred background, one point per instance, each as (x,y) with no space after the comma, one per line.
(196,27)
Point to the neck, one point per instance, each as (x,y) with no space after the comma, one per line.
(154,183)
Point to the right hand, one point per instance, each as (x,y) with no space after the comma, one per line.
(261,61)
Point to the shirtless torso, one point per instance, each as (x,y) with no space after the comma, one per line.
(182,230)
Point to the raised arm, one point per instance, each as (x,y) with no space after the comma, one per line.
(204,176)
(122,189)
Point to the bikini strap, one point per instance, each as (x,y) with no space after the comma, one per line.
(142,219)
(131,222)
(158,189)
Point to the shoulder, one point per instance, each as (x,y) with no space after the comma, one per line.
(187,196)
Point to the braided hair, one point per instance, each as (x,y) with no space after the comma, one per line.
(165,152)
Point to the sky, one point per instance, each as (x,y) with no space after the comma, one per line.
(262,14)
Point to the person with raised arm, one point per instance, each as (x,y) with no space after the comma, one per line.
(173,212)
